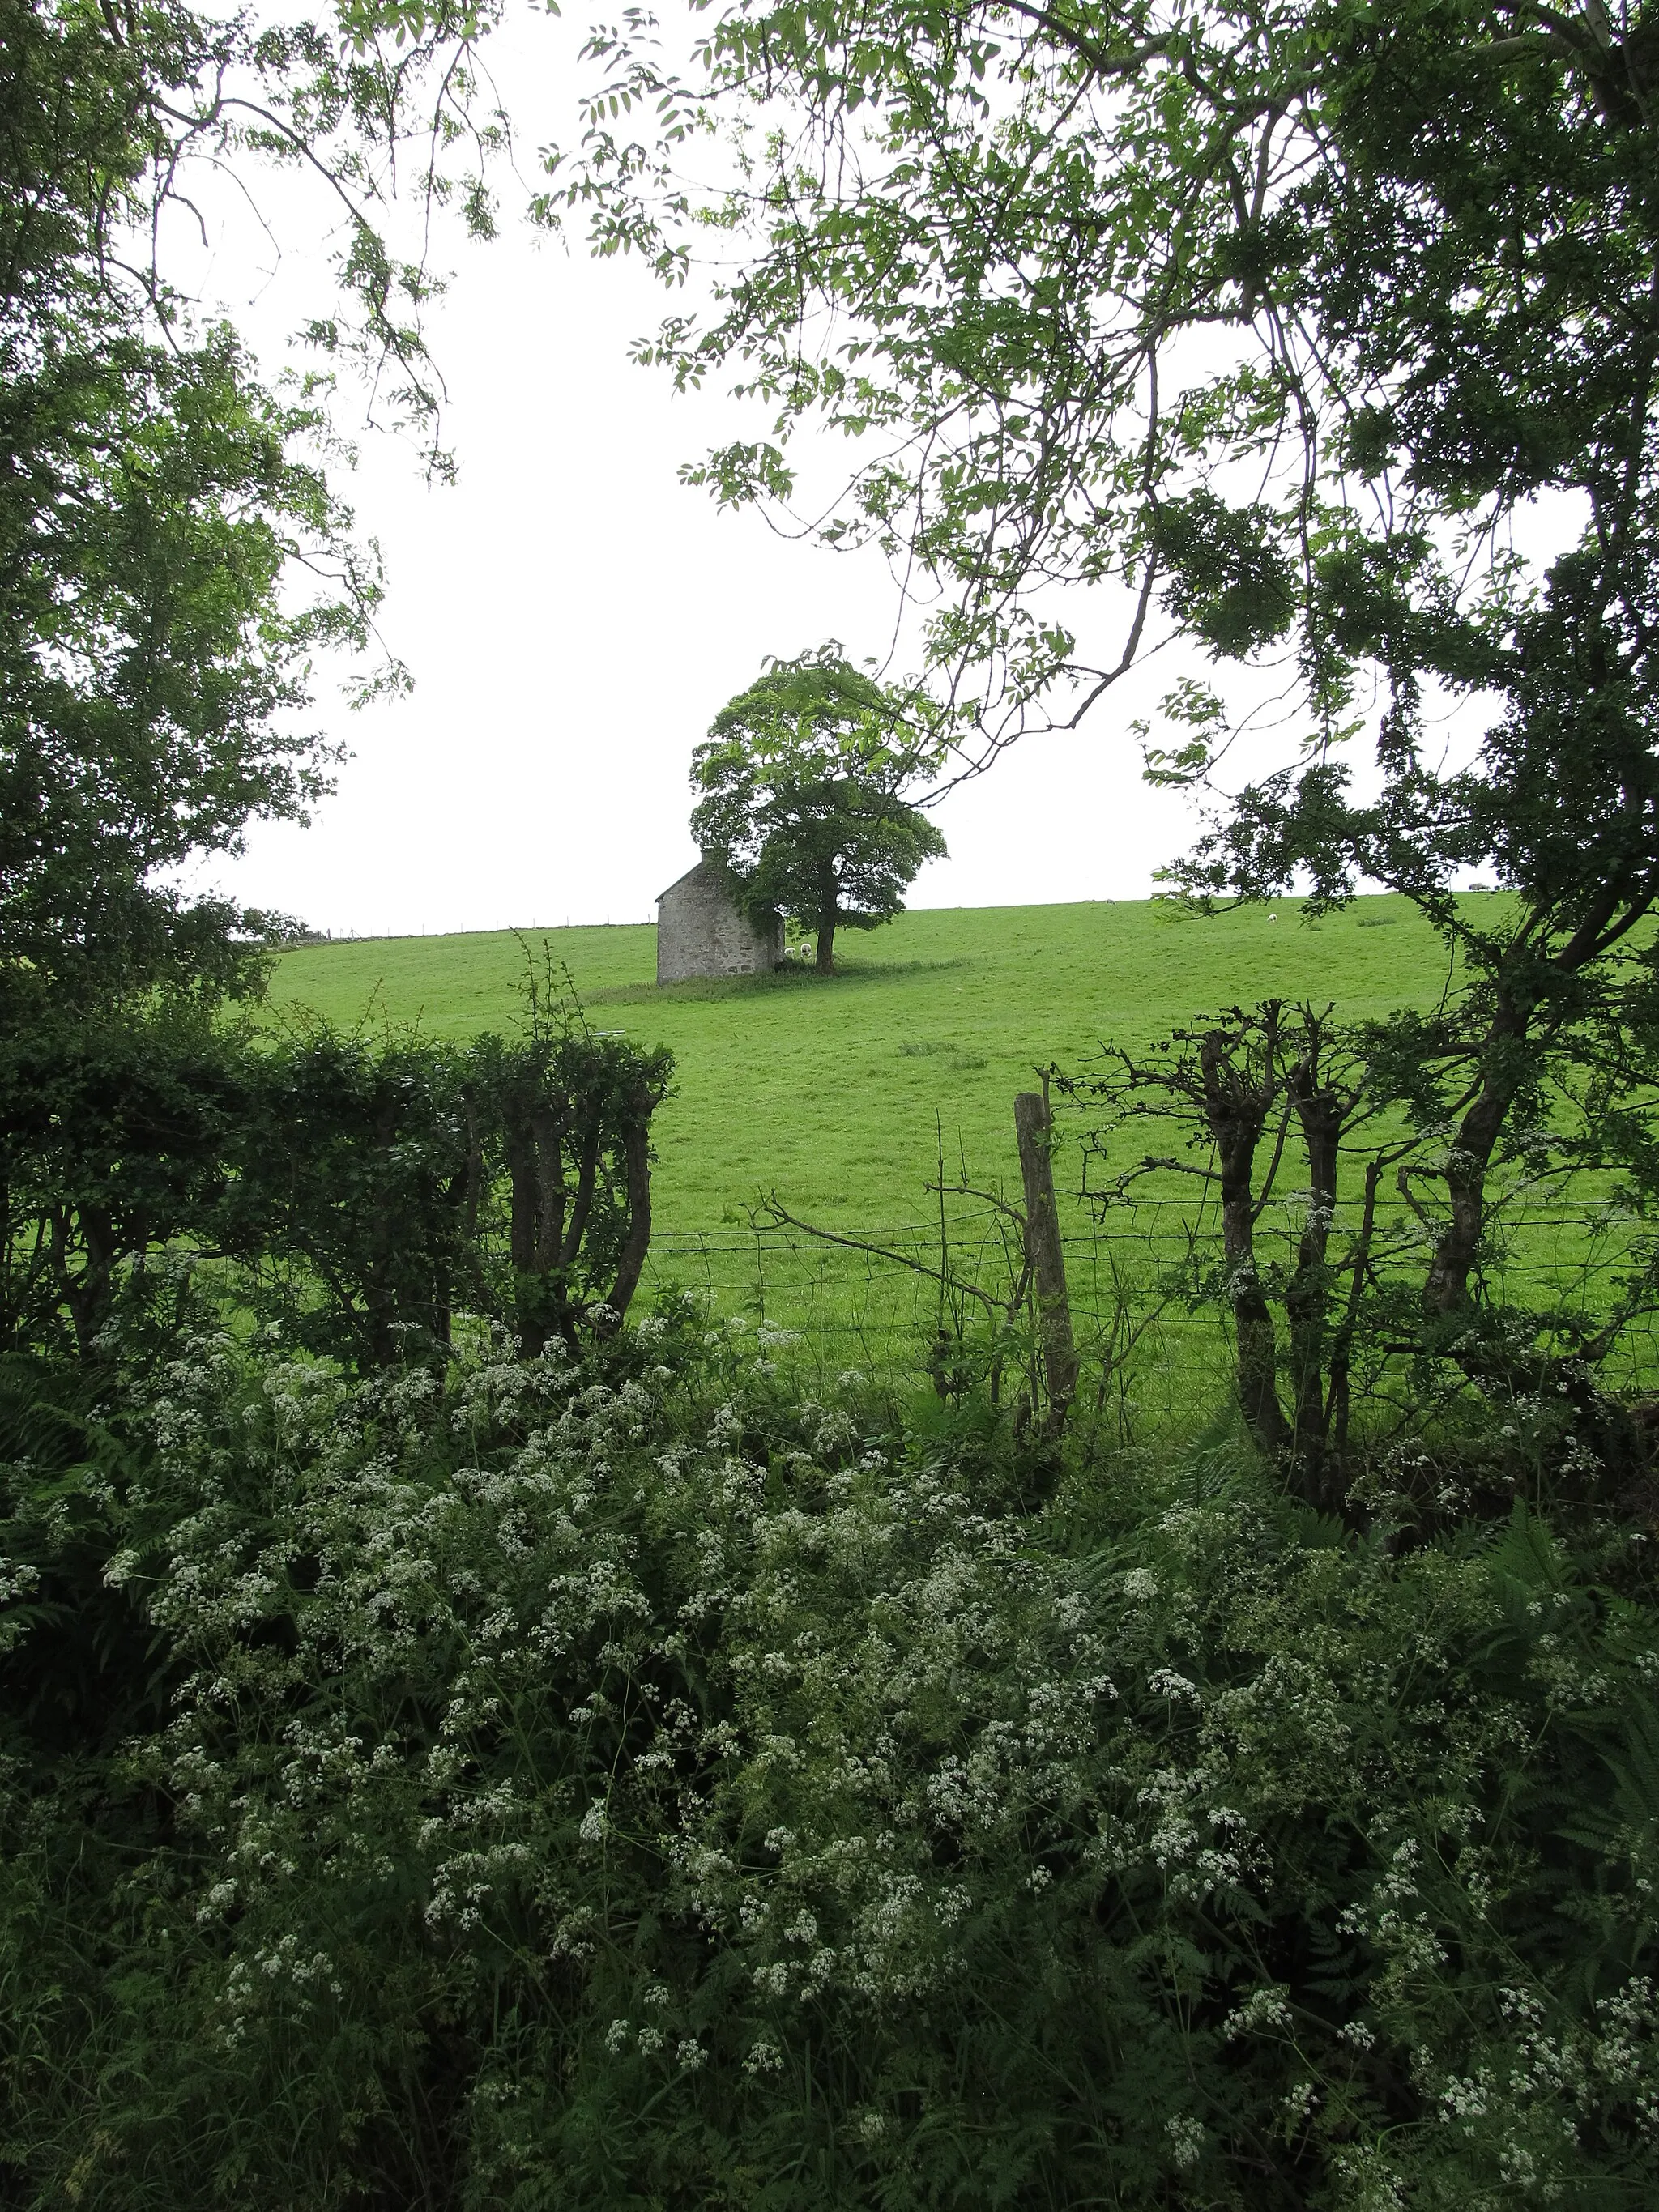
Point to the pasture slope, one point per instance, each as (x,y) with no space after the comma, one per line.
(834,1094)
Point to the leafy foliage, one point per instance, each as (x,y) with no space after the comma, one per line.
(360,1192)
(1266,318)
(115,1132)
(438,1768)
(1275,320)
(172,557)
(1239,313)
(565,1119)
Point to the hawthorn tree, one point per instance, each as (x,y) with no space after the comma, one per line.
(802,777)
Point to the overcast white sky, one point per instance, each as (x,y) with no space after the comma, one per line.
(573,616)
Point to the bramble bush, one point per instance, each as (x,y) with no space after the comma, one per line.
(633,1780)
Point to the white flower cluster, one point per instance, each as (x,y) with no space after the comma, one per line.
(530,1662)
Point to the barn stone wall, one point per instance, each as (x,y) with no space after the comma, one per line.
(701,931)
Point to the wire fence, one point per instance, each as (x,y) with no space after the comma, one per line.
(875,1299)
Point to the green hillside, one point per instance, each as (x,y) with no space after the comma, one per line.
(836,1095)
(833,1092)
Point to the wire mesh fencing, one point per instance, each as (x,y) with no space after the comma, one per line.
(1143,1280)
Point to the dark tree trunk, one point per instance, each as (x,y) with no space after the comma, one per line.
(1508,1051)
(526,1204)
(1323,1115)
(1446,1291)
(1339,1398)
(638,1241)
(828,915)
(1235,1116)
(90,1297)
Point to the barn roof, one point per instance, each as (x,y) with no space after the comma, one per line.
(695,869)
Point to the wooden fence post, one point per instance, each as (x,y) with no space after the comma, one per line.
(1045,1253)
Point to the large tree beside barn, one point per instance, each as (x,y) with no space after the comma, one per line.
(803,778)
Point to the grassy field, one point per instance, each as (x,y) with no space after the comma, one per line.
(837,1094)
(834,1093)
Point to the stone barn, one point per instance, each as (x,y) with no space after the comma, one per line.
(703,931)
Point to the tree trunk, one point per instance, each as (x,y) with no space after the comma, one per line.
(91,1296)
(825,963)
(1507,1050)
(637,1244)
(1446,1291)
(1321,1113)
(1235,1115)
(1338,1400)
(524,1180)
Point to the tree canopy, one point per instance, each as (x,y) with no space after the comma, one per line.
(1263,319)
(172,554)
(802,776)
